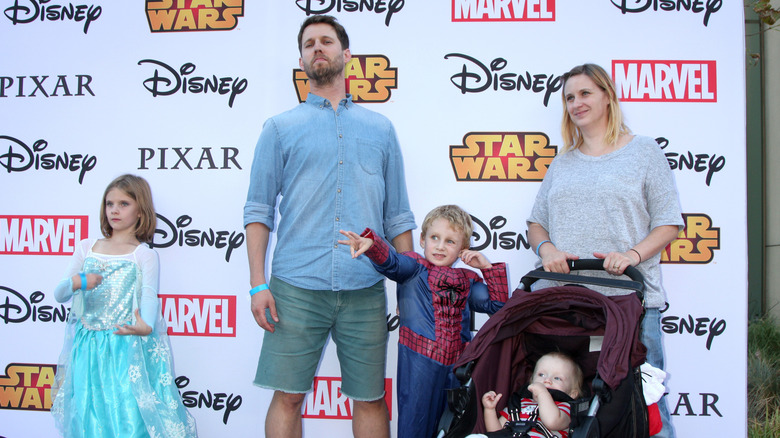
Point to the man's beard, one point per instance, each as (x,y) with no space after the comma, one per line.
(325,75)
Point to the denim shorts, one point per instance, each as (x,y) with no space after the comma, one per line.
(356,321)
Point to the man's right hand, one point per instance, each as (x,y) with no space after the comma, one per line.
(261,301)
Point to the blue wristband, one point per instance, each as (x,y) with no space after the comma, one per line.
(539,246)
(258,288)
(83,281)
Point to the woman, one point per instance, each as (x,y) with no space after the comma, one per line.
(609,194)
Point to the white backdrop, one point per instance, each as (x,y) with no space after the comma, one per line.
(84,97)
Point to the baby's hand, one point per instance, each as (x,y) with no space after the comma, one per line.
(536,389)
(358,245)
(475,259)
(490,400)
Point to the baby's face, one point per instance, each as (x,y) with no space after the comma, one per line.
(442,243)
(554,373)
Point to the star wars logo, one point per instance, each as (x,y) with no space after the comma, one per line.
(199,315)
(502,156)
(707,7)
(27,386)
(42,235)
(503,10)
(666,81)
(193,15)
(327,401)
(369,79)
(695,244)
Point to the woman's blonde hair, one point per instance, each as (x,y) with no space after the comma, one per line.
(457,217)
(572,137)
(138,189)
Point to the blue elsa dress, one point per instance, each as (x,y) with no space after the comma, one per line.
(110,385)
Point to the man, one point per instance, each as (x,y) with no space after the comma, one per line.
(337,166)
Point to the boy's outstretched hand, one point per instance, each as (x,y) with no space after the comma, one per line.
(475,259)
(357,244)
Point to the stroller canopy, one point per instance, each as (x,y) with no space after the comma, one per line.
(531,324)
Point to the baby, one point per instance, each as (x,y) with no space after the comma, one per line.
(554,371)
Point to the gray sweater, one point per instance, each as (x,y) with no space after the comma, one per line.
(609,203)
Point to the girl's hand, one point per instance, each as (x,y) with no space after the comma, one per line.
(617,262)
(490,400)
(358,245)
(475,259)
(93,280)
(140,328)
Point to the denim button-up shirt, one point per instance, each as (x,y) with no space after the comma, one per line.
(335,170)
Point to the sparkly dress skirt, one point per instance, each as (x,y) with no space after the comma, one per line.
(110,385)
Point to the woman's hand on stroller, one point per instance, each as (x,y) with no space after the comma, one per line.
(617,262)
(554,260)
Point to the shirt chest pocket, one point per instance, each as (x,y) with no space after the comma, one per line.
(370,156)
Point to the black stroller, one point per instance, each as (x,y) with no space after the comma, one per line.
(601,333)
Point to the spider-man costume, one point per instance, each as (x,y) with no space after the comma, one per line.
(434,305)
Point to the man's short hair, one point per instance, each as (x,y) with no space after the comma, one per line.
(341,33)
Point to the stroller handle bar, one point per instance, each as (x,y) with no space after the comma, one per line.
(637,282)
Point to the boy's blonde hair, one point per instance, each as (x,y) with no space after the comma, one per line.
(138,189)
(576,377)
(457,217)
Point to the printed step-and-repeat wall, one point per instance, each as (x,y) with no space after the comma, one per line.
(176,91)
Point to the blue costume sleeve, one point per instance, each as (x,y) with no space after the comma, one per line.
(386,261)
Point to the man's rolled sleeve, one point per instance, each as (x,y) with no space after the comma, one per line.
(399,224)
(265,178)
(256,212)
(398,217)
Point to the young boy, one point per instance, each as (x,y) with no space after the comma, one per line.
(553,371)
(434,302)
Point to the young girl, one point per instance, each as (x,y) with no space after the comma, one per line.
(115,374)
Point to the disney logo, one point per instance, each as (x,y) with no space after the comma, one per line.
(488,235)
(389,7)
(21,157)
(701,326)
(39,8)
(483,77)
(172,81)
(16,308)
(175,234)
(695,6)
(216,401)
(709,163)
